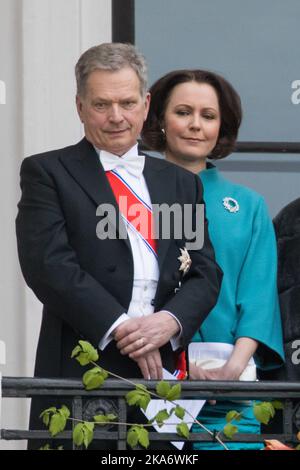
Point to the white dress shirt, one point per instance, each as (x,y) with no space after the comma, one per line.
(146,270)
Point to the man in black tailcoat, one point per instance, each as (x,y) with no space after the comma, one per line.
(118,292)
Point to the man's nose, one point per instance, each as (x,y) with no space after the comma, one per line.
(115,113)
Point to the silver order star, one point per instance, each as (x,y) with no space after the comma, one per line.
(185,261)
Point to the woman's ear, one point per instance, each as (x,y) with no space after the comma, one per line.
(162,125)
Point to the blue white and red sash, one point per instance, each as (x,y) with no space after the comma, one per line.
(180,363)
(131,204)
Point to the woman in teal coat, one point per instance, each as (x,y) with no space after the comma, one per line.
(195,115)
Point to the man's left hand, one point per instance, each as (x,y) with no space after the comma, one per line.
(139,336)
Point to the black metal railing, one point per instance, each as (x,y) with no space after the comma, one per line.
(257,147)
(267,147)
(287,392)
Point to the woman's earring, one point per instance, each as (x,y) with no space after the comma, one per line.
(163,131)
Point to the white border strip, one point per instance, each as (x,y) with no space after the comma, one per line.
(2,92)
(2,361)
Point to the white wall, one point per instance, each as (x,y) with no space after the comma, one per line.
(41,41)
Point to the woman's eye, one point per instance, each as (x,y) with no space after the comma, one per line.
(209,116)
(182,112)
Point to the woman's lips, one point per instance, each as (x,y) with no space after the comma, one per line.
(193,139)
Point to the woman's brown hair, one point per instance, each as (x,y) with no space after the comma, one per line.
(229,102)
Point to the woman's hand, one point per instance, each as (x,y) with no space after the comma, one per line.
(243,350)
(225,372)
(219,373)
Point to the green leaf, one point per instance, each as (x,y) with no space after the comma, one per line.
(88,433)
(233,415)
(76,351)
(46,415)
(132,437)
(45,447)
(48,410)
(104,418)
(297,447)
(64,411)
(83,433)
(174,393)
(94,378)
(144,401)
(161,416)
(230,430)
(55,419)
(85,353)
(57,424)
(100,419)
(46,419)
(138,435)
(143,437)
(263,412)
(90,350)
(163,388)
(139,397)
(78,434)
(141,387)
(271,408)
(183,430)
(278,405)
(133,398)
(111,417)
(179,412)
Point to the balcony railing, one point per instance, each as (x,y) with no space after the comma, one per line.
(258,147)
(287,392)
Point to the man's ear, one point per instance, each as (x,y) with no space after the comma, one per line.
(79,107)
(147,104)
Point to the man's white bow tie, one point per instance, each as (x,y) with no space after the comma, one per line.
(133,163)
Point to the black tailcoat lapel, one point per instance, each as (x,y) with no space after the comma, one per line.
(86,168)
(161,183)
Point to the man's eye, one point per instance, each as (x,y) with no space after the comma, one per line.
(128,104)
(100,105)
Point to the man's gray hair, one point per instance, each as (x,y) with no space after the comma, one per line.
(113,57)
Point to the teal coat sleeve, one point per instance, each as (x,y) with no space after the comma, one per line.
(245,247)
(257,298)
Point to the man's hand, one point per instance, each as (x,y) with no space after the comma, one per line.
(151,366)
(139,336)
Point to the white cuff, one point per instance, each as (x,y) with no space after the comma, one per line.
(176,341)
(107,338)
